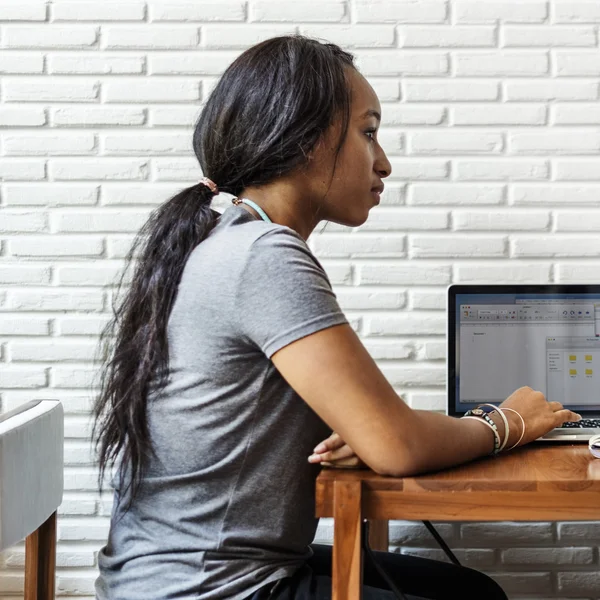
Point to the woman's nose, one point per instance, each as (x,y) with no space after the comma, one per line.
(383,168)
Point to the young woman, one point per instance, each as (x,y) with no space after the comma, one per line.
(230,359)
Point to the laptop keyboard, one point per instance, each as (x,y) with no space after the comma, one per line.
(583,423)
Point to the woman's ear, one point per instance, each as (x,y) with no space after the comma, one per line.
(317,149)
(310,155)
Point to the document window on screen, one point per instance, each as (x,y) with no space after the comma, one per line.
(551,345)
(570,373)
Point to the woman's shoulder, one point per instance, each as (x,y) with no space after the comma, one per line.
(241,241)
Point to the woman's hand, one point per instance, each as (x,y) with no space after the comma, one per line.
(334,452)
(539,415)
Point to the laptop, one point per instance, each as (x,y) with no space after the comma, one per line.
(503,337)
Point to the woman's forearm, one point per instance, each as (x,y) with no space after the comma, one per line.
(439,441)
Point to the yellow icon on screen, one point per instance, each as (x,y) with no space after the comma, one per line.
(589,371)
(572,371)
(572,357)
(588,358)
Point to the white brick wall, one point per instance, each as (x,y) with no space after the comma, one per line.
(490,118)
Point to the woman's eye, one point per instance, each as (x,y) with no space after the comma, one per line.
(370,133)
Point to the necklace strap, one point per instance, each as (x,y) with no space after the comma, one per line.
(256,207)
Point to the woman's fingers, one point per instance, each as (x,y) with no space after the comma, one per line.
(332,455)
(334,452)
(331,443)
(565,415)
(347,463)
(555,406)
(339,454)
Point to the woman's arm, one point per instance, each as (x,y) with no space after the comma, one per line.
(333,372)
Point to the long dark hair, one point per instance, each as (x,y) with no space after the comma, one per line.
(270,108)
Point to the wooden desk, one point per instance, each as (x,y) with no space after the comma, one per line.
(539,482)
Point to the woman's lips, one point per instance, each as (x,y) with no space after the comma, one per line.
(376,191)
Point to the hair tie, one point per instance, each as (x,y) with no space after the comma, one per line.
(210,184)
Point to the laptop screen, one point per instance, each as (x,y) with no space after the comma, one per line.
(505,337)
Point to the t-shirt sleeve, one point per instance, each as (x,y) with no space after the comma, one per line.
(284,294)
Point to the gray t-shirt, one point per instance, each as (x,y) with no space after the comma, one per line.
(228,504)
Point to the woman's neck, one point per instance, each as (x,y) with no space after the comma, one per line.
(283,206)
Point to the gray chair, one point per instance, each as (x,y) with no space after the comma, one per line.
(31,488)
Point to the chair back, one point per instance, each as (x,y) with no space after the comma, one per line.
(31,468)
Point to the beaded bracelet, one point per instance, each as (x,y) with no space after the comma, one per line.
(505,420)
(479,414)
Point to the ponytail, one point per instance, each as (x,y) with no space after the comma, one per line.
(140,354)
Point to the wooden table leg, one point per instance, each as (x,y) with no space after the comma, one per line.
(347,551)
(40,561)
(379,537)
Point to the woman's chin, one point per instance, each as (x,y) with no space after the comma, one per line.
(356,222)
(356,218)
